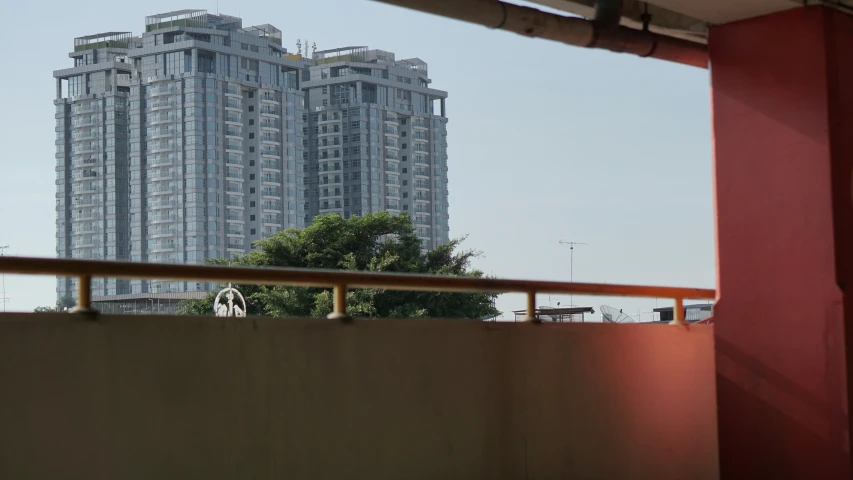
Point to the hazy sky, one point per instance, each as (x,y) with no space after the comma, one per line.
(545,141)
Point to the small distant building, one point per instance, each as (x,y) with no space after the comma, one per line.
(145,303)
(551,314)
(692,313)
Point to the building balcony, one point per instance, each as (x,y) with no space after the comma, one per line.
(156,135)
(87,136)
(159,91)
(160,161)
(157,220)
(162,176)
(154,106)
(160,205)
(167,234)
(80,123)
(80,109)
(443,398)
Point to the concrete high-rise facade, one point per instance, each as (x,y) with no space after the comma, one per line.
(92,154)
(200,136)
(378,139)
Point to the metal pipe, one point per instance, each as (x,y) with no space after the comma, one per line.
(576,31)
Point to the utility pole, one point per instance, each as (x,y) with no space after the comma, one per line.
(3,297)
(572,265)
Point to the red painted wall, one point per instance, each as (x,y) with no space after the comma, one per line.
(782,93)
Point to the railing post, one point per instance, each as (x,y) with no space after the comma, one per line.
(531,307)
(339,309)
(84,296)
(678,312)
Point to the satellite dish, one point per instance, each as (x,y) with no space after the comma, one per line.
(614,315)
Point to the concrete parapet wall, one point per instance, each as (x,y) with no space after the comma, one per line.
(144,397)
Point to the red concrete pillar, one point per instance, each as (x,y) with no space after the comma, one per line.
(783,131)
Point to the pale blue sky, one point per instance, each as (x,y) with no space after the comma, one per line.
(546,141)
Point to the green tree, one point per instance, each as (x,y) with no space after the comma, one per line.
(374,242)
(63,304)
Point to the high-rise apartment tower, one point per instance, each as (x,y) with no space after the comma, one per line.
(378,139)
(200,136)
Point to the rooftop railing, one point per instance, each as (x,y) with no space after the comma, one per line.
(338,280)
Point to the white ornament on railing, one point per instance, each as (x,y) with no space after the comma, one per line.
(229,309)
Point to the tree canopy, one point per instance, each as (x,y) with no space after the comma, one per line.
(375,242)
(63,304)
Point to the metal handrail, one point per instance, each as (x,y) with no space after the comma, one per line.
(339,280)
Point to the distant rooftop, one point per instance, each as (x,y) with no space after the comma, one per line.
(196,18)
(192,18)
(177,14)
(343,54)
(103,40)
(266,31)
(414,63)
(695,306)
(341,49)
(363,54)
(556,314)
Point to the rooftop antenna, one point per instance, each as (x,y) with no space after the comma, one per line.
(299,46)
(3,297)
(613,315)
(571,265)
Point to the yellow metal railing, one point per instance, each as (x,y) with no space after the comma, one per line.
(339,280)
